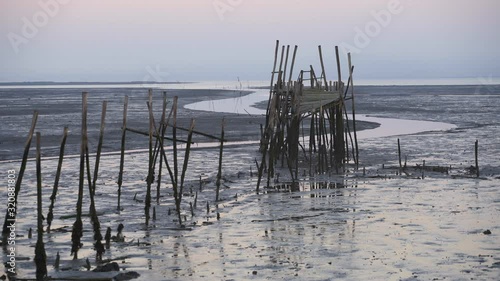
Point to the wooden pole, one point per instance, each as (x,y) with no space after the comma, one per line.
(40,255)
(323,73)
(122,149)
(219,171)
(10,217)
(272,79)
(177,195)
(150,176)
(50,215)
(351,68)
(476,156)
(162,128)
(186,159)
(77,232)
(338,68)
(399,156)
(286,63)
(99,146)
(293,63)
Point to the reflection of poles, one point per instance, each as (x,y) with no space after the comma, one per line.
(11,216)
(50,215)
(40,255)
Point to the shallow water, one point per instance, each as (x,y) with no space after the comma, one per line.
(379,226)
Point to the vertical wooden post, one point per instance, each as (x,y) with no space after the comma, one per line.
(286,63)
(351,68)
(99,146)
(219,171)
(338,69)
(122,149)
(476,148)
(50,215)
(399,156)
(11,216)
(40,255)
(293,63)
(147,201)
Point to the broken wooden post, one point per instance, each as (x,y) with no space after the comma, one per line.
(11,216)
(122,150)
(50,215)
(219,170)
(40,255)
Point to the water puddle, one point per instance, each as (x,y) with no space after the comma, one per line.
(388,126)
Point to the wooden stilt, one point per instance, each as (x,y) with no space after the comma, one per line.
(219,171)
(351,68)
(40,255)
(50,215)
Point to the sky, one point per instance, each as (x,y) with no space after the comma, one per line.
(194,40)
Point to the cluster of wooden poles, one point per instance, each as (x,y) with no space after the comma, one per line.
(156,154)
(322,104)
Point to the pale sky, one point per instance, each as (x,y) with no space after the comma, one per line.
(193,40)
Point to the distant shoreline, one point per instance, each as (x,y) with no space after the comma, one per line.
(45,83)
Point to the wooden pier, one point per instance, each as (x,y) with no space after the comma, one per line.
(319,109)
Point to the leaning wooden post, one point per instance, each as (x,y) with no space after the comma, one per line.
(186,159)
(476,154)
(219,171)
(40,255)
(99,146)
(293,63)
(10,217)
(77,231)
(122,150)
(99,248)
(272,79)
(50,215)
